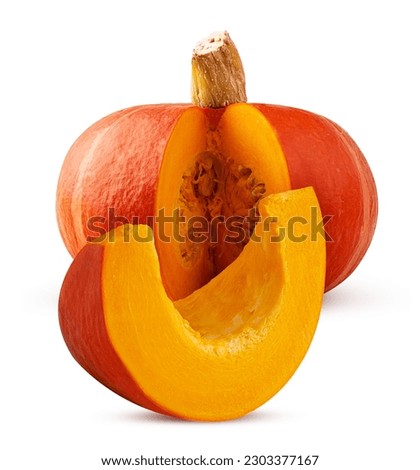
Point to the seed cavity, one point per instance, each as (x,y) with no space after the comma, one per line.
(218,189)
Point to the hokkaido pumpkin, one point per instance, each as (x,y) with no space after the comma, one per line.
(214,159)
(218,353)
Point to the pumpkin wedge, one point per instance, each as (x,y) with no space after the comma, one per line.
(218,353)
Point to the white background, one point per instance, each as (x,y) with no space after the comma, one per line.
(354,400)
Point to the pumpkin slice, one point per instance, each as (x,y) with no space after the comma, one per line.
(222,351)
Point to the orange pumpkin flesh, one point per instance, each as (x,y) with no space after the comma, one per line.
(216,354)
(225,168)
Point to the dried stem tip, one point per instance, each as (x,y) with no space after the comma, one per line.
(218,77)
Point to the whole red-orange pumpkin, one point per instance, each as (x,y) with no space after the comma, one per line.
(118,164)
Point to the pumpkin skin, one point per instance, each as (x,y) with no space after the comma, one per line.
(321,154)
(116,164)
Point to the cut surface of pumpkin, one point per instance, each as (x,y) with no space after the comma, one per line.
(221,351)
(216,168)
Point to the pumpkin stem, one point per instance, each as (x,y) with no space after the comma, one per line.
(218,77)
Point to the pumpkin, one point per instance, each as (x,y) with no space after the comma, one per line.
(214,159)
(218,353)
